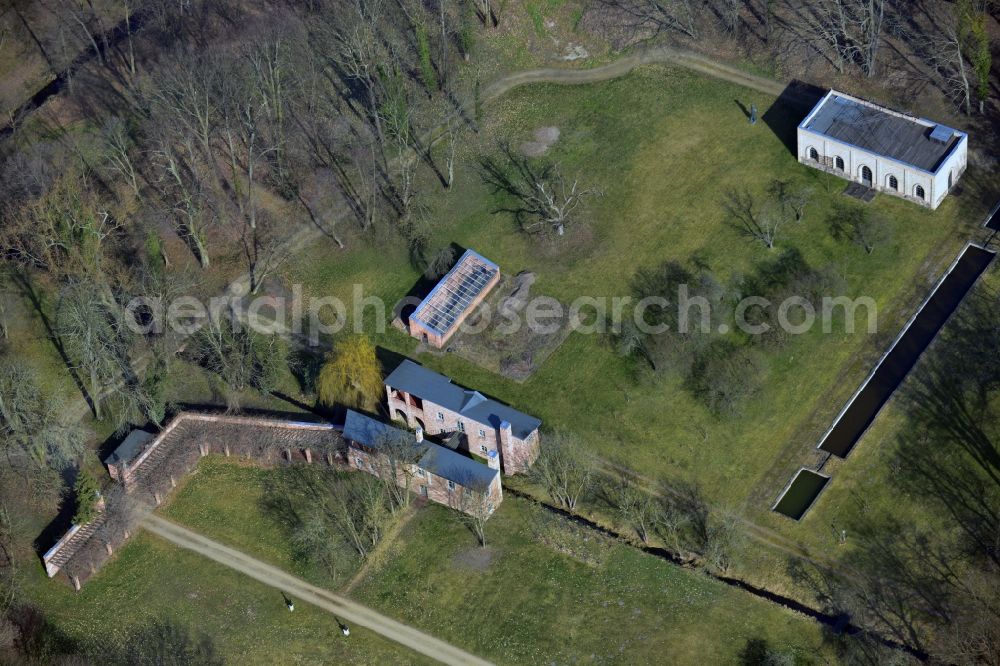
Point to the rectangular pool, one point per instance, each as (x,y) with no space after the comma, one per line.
(868,401)
(800,494)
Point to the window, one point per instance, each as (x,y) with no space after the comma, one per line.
(461,427)
(840,163)
(814,154)
(451,485)
(360,462)
(420,472)
(918,192)
(440,416)
(489,507)
(893,183)
(482,447)
(482,433)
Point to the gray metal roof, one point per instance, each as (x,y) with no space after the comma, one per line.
(130,447)
(370,432)
(436,459)
(876,130)
(455,467)
(429,385)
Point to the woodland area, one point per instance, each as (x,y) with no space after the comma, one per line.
(169,149)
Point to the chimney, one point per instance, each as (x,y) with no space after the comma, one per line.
(419,434)
(505,436)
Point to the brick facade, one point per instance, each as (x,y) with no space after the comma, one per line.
(425,483)
(514,455)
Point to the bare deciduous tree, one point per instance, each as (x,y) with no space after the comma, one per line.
(544,200)
(186,94)
(790,200)
(360,511)
(117,146)
(472,508)
(34,428)
(754,221)
(634,507)
(241,357)
(394,461)
(94,333)
(861,226)
(660,15)
(851,29)
(729,11)
(564,469)
(954,48)
(182,184)
(358,54)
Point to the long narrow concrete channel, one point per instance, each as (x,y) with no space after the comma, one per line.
(868,400)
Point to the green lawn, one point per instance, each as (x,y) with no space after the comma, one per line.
(549,592)
(665,144)
(225,500)
(863,488)
(150,579)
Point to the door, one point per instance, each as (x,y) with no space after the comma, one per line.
(423,491)
(866,176)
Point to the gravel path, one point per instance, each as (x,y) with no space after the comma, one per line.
(299,590)
(622,66)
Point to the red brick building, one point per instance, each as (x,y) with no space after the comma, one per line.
(422,398)
(427,469)
(453,299)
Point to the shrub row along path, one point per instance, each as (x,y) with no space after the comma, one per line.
(340,607)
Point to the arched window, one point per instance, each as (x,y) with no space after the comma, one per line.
(866,176)
(892,183)
(918,192)
(840,163)
(814,154)
(951,179)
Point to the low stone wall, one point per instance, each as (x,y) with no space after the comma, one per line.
(148,480)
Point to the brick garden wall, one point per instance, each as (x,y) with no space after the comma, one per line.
(153,474)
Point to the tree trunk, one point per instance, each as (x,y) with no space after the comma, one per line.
(95,394)
(202,253)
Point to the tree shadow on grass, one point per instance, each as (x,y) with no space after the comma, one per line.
(26,286)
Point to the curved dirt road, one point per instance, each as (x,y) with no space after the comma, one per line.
(661,55)
(340,606)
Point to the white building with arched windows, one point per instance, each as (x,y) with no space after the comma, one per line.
(888,151)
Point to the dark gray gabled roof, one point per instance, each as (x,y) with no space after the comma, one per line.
(370,432)
(130,447)
(457,468)
(877,130)
(436,459)
(429,385)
